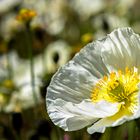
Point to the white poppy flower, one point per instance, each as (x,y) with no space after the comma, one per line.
(99,87)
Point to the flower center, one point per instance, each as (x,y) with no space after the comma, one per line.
(120,87)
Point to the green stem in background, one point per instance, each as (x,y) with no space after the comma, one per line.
(131,130)
(29,45)
(10,74)
(18,137)
(59,133)
(107,134)
(137,123)
(43,63)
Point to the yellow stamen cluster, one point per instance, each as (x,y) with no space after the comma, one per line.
(26,15)
(119,87)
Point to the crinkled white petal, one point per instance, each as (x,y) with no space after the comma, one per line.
(121,49)
(70,116)
(74,81)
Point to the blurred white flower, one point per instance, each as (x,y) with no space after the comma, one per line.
(99,87)
(9,25)
(87,8)
(136,26)
(39,6)
(56,16)
(21,76)
(56,55)
(105,23)
(23,98)
(123,6)
(50,15)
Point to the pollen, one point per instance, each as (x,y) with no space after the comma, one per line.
(119,87)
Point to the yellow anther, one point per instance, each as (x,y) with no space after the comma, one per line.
(105,78)
(118,87)
(112,75)
(119,72)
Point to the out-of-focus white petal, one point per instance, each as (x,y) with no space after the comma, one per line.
(104,23)
(9,25)
(60,48)
(72,116)
(23,98)
(94,7)
(121,49)
(21,77)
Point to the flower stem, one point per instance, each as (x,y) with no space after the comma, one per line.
(29,45)
(9,66)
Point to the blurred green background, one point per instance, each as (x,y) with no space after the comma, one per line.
(33,47)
